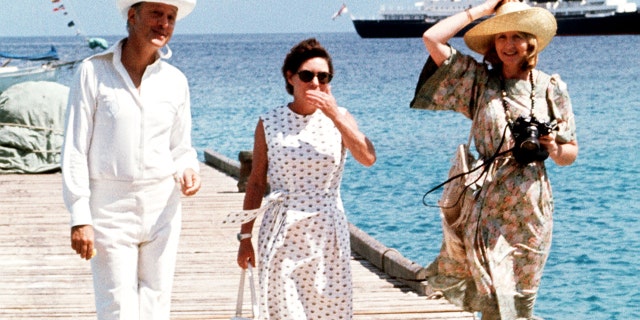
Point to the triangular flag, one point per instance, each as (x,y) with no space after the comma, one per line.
(343,9)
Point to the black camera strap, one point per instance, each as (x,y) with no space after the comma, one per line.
(485,164)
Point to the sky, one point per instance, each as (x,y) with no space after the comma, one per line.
(100,17)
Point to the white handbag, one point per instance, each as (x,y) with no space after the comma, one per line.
(254,301)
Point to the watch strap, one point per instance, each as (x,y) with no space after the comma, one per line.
(242,236)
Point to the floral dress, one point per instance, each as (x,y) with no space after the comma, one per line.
(303,242)
(506,236)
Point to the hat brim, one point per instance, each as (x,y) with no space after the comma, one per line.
(536,21)
(184,6)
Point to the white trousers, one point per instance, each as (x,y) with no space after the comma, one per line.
(137,228)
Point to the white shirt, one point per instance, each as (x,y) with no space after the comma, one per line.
(115,132)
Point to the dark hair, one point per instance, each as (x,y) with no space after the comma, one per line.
(135,6)
(529,62)
(299,54)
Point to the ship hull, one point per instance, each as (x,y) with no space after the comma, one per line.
(620,23)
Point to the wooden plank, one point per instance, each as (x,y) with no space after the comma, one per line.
(42,278)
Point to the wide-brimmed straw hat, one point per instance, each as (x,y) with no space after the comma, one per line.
(184,6)
(513,16)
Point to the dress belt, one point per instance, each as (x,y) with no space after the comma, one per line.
(274,201)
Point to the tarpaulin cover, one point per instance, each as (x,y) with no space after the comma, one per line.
(32,127)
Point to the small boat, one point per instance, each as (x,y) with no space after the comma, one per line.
(574,17)
(10,75)
(47,71)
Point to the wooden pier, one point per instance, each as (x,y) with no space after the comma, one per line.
(42,278)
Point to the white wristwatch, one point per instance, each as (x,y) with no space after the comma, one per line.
(242,236)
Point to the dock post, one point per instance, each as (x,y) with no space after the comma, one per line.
(246,161)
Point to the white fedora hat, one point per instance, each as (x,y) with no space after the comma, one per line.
(513,16)
(184,6)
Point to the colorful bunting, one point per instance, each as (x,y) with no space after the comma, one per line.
(62,8)
(93,42)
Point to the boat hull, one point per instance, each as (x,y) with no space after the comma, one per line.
(40,73)
(620,23)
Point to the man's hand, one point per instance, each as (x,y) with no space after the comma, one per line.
(82,241)
(190,182)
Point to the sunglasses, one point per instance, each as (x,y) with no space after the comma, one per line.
(307,76)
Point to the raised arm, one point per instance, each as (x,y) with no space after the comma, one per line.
(358,144)
(353,139)
(436,37)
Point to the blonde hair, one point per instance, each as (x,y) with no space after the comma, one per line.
(530,61)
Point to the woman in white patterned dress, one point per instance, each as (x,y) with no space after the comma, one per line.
(300,149)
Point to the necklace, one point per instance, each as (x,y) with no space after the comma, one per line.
(505,105)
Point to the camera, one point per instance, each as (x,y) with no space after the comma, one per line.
(526,133)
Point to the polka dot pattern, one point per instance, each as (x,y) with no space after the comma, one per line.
(303,242)
(240,217)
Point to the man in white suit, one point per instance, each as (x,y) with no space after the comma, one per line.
(127,157)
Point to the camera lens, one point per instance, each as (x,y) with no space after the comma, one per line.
(531,143)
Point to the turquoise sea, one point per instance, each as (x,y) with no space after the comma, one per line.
(593,271)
